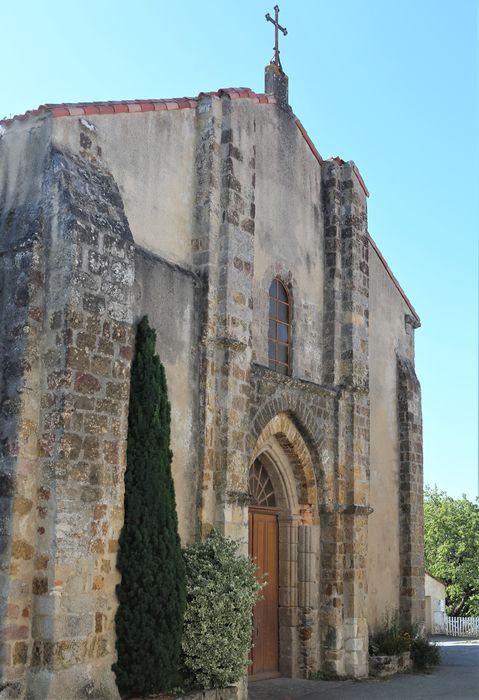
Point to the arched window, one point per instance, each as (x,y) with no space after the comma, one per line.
(260,486)
(279,333)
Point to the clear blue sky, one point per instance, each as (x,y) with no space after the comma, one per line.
(392,86)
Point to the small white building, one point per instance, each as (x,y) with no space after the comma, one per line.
(435,592)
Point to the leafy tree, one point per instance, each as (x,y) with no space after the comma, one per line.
(152,591)
(451,540)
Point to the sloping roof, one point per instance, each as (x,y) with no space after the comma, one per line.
(78,109)
(436,578)
(67,109)
(396,283)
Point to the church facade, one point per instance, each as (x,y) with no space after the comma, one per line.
(289,352)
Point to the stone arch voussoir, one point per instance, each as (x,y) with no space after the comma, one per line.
(301,415)
(283,428)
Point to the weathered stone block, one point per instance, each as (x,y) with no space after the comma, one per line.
(86,383)
(20,653)
(21,549)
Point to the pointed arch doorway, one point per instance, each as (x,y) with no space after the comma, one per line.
(263,547)
(284,537)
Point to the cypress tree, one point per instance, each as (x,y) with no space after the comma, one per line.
(152,590)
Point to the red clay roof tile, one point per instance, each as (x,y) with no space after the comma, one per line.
(57,112)
(88,109)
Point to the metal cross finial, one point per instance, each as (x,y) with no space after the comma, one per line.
(275,60)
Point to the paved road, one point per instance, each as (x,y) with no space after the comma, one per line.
(457,677)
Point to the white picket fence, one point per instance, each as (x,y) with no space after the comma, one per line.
(462,626)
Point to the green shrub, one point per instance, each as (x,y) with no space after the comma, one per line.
(152,590)
(424,654)
(391,639)
(394,639)
(221,592)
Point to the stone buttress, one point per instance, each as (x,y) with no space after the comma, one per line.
(411,517)
(346,367)
(223,256)
(67,276)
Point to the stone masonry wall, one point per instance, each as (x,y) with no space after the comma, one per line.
(22,223)
(21,316)
(65,474)
(166,291)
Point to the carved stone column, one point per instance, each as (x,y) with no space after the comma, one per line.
(288,594)
(308,594)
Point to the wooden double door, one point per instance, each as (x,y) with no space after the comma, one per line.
(263,547)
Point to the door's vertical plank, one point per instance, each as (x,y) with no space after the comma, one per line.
(251,552)
(263,546)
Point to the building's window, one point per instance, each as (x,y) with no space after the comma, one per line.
(260,487)
(279,334)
